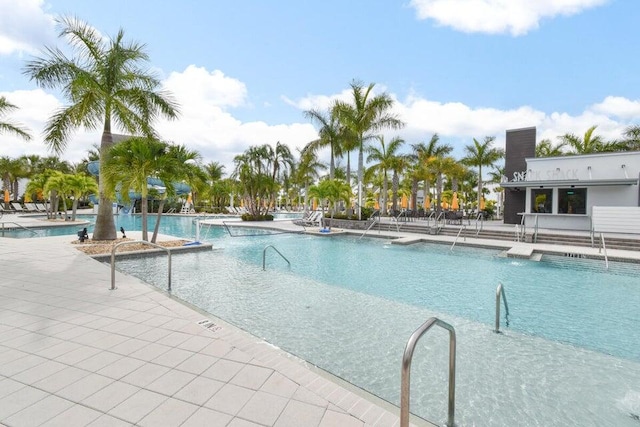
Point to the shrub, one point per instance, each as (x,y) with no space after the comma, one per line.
(249,217)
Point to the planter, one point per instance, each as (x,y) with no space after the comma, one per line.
(347,223)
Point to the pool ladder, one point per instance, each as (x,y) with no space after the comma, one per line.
(405,386)
(499,293)
(264,256)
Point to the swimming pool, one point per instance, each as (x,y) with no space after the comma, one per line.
(571,355)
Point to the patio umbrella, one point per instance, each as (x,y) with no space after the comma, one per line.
(189,199)
(454,201)
(427,203)
(6,196)
(481,203)
(315,204)
(376,205)
(405,202)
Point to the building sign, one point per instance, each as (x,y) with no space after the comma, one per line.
(556,174)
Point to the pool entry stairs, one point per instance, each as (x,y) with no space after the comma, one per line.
(421,227)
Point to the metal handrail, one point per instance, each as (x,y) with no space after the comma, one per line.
(463,227)
(604,246)
(370,226)
(18,225)
(499,292)
(264,256)
(405,386)
(144,242)
(523,228)
(535,230)
(431,215)
(397,218)
(479,218)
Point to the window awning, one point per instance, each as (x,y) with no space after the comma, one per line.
(570,183)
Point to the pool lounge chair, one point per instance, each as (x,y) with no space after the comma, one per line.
(18,207)
(312,220)
(31,207)
(41,207)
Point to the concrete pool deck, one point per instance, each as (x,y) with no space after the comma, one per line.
(74,353)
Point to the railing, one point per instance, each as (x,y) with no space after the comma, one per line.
(264,256)
(397,218)
(172,210)
(604,246)
(430,217)
(462,228)
(374,222)
(500,292)
(17,225)
(143,242)
(437,222)
(535,230)
(405,387)
(479,219)
(523,229)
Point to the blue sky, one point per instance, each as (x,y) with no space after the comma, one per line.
(244,71)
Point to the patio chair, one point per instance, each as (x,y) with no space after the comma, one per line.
(18,207)
(41,207)
(31,207)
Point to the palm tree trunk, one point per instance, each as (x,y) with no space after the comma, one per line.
(74,208)
(360,177)
(143,208)
(394,191)
(105,228)
(157,226)
(479,186)
(414,194)
(385,191)
(439,191)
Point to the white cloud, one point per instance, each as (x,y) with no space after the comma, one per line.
(498,16)
(24,26)
(619,107)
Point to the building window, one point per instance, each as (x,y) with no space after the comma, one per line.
(572,201)
(541,200)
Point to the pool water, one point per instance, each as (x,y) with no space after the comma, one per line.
(571,355)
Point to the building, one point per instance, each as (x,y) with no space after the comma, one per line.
(560,192)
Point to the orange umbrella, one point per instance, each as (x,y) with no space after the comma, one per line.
(376,205)
(405,202)
(454,201)
(315,204)
(427,203)
(6,196)
(189,199)
(481,203)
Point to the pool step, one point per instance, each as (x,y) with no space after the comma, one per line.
(523,252)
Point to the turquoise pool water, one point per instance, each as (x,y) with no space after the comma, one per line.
(571,355)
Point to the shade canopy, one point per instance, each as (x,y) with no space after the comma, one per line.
(427,203)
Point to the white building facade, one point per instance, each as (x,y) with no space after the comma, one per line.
(562,191)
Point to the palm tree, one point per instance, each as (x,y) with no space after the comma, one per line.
(332,191)
(363,118)
(57,186)
(307,172)
(80,185)
(37,185)
(7,126)
(127,166)
(255,179)
(439,167)
(385,158)
(107,83)
(330,134)
(11,170)
(482,154)
(545,148)
(590,143)
(424,153)
(632,138)
(281,161)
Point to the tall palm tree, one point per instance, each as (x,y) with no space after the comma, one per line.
(545,148)
(254,176)
(280,161)
(11,171)
(330,133)
(384,158)
(127,166)
(482,154)
(108,84)
(364,117)
(8,126)
(589,143)
(57,186)
(440,166)
(425,153)
(307,172)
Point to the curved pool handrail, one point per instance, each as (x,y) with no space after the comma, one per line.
(405,386)
(143,242)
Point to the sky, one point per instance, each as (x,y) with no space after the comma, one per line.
(245,71)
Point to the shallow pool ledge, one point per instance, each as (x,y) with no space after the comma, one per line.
(154,252)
